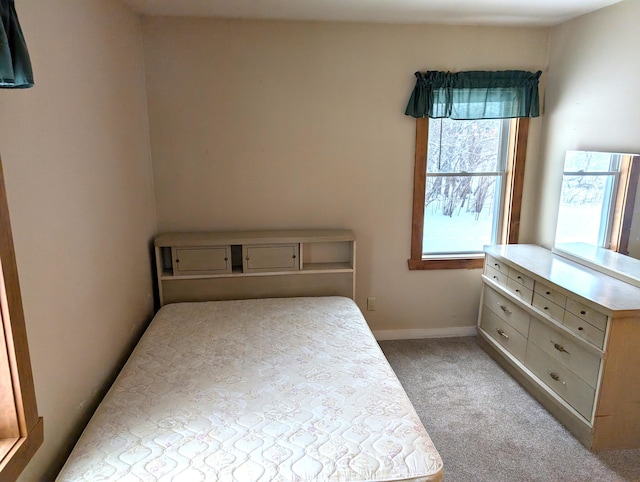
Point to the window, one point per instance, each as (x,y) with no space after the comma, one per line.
(466,169)
(467,189)
(20,427)
(468,172)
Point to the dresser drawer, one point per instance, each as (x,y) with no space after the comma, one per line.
(584,329)
(560,347)
(591,316)
(561,380)
(507,310)
(503,333)
(493,263)
(521,278)
(550,293)
(496,276)
(548,307)
(525,294)
(201,261)
(273,257)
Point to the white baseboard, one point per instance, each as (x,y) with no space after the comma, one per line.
(414,334)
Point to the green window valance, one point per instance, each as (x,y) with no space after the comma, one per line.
(15,65)
(475,95)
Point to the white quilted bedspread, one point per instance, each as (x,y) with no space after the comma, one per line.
(256,390)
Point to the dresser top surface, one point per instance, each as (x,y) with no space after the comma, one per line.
(608,292)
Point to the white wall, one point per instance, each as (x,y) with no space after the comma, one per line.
(259,125)
(75,150)
(592,101)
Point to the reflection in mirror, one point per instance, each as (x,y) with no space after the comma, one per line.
(598,199)
(596,222)
(586,210)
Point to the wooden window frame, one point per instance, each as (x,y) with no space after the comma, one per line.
(512,201)
(21,429)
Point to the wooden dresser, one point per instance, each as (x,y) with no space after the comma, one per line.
(255,264)
(570,335)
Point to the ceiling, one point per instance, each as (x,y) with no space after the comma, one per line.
(460,12)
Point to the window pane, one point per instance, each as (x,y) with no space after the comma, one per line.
(587,161)
(583,215)
(465,146)
(460,213)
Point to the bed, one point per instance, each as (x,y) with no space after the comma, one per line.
(292,389)
(258,366)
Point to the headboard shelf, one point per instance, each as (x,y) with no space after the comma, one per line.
(209,238)
(200,266)
(335,267)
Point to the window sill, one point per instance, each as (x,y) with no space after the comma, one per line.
(19,453)
(450,263)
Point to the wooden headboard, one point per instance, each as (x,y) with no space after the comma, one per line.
(208,266)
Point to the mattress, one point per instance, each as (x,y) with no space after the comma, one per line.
(290,389)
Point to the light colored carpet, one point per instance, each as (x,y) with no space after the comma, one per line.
(486,426)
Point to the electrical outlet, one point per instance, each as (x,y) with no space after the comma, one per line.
(371,304)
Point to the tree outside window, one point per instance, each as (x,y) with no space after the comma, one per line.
(466,168)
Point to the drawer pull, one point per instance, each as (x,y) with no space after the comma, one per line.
(548,292)
(496,265)
(557,378)
(247,258)
(495,277)
(560,348)
(580,328)
(519,277)
(505,309)
(583,312)
(502,333)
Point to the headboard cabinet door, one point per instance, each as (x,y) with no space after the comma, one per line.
(281,257)
(207,260)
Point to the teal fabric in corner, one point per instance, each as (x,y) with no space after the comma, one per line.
(15,65)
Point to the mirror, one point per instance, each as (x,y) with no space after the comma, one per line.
(596,221)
